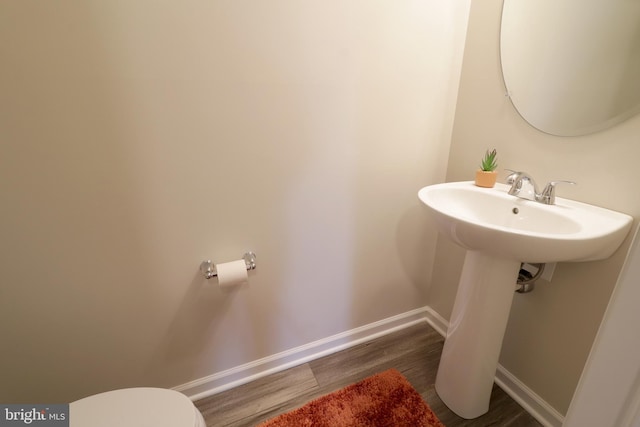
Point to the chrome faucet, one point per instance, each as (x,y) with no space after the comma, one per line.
(523,186)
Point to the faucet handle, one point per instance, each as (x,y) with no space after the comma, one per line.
(512,176)
(548,194)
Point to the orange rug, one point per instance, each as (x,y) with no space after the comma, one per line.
(385,399)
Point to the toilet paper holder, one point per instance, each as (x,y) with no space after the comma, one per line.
(208,268)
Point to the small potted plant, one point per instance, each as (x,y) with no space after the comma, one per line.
(486,176)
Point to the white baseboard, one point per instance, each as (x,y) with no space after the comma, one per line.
(225,380)
(534,404)
(530,401)
(437,322)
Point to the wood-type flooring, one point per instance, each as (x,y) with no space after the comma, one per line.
(414,351)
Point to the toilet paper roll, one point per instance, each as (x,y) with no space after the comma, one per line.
(232,273)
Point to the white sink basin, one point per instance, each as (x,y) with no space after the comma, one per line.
(492,221)
(499,232)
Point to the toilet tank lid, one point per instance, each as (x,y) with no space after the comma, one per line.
(139,407)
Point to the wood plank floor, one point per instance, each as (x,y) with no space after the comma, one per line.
(414,351)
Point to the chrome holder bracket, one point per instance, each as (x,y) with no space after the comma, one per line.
(208,268)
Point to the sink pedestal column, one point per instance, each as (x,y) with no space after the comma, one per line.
(476,329)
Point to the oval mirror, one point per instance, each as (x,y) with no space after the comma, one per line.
(572,67)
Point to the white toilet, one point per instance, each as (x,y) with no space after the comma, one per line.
(135,407)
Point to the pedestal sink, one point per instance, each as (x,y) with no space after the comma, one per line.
(500,232)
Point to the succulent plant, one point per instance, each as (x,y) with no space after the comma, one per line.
(489,161)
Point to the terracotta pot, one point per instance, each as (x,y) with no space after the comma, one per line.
(486,179)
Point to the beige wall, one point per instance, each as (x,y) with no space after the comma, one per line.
(141,137)
(550,330)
